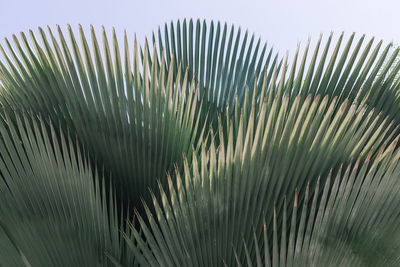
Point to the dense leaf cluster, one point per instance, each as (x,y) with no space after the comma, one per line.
(202,149)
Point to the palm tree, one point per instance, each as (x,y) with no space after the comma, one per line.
(203,148)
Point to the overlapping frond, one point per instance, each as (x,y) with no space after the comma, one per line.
(241,132)
(55,210)
(132,116)
(229,187)
(236,73)
(225,62)
(353,223)
(355,72)
(220,57)
(109,101)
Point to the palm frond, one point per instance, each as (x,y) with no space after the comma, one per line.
(132,117)
(55,210)
(239,129)
(235,73)
(118,108)
(353,223)
(225,62)
(220,57)
(229,187)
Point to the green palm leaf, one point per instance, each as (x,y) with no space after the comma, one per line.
(225,62)
(230,187)
(354,223)
(243,132)
(136,121)
(222,59)
(54,209)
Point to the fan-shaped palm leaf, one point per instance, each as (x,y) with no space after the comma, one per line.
(227,189)
(54,208)
(354,223)
(242,128)
(219,57)
(138,122)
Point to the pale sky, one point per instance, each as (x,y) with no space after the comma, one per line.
(281,23)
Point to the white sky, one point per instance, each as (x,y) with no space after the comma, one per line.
(281,23)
